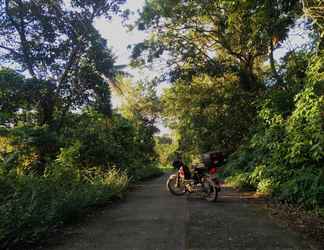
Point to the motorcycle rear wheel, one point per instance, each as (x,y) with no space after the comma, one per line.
(174,187)
(211,192)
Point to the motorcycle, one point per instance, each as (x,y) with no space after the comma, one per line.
(203,180)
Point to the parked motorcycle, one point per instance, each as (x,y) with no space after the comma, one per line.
(203,179)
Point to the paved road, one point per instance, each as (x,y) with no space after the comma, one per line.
(153,219)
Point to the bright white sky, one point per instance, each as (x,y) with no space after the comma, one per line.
(117,35)
(119,38)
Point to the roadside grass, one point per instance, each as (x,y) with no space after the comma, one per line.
(166,168)
(149,172)
(240,181)
(32,208)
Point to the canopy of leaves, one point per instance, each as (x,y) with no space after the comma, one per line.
(205,113)
(284,156)
(57,46)
(214,37)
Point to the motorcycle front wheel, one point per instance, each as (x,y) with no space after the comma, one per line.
(175,185)
(210,190)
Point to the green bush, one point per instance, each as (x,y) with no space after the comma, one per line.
(146,172)
(48,178)
(31,207)
(241,181)
(306,187)
(285,154)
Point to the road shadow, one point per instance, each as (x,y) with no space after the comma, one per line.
(230,195)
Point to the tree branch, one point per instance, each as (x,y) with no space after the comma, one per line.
(20,28)
(273,66)
(10,50)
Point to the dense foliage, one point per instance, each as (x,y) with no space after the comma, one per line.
(216,53)
(62,147)
(32,207)
(284,156)
(229,92)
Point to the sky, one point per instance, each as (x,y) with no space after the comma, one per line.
(117,35)
(119,38)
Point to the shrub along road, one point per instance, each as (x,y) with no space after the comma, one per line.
(153,219)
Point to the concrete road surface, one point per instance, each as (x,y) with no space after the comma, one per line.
(152,219)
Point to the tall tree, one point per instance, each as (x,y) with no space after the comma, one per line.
(141,106)
(216,36)
(314,9)
(58,46)
(218,54)
(205,114)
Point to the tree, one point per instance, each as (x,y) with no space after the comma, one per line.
(205,114)
(218,54)
(214,37)
(166,148)
(64,65)
(10,86)
(141,106)
(140,101)
(59,47)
